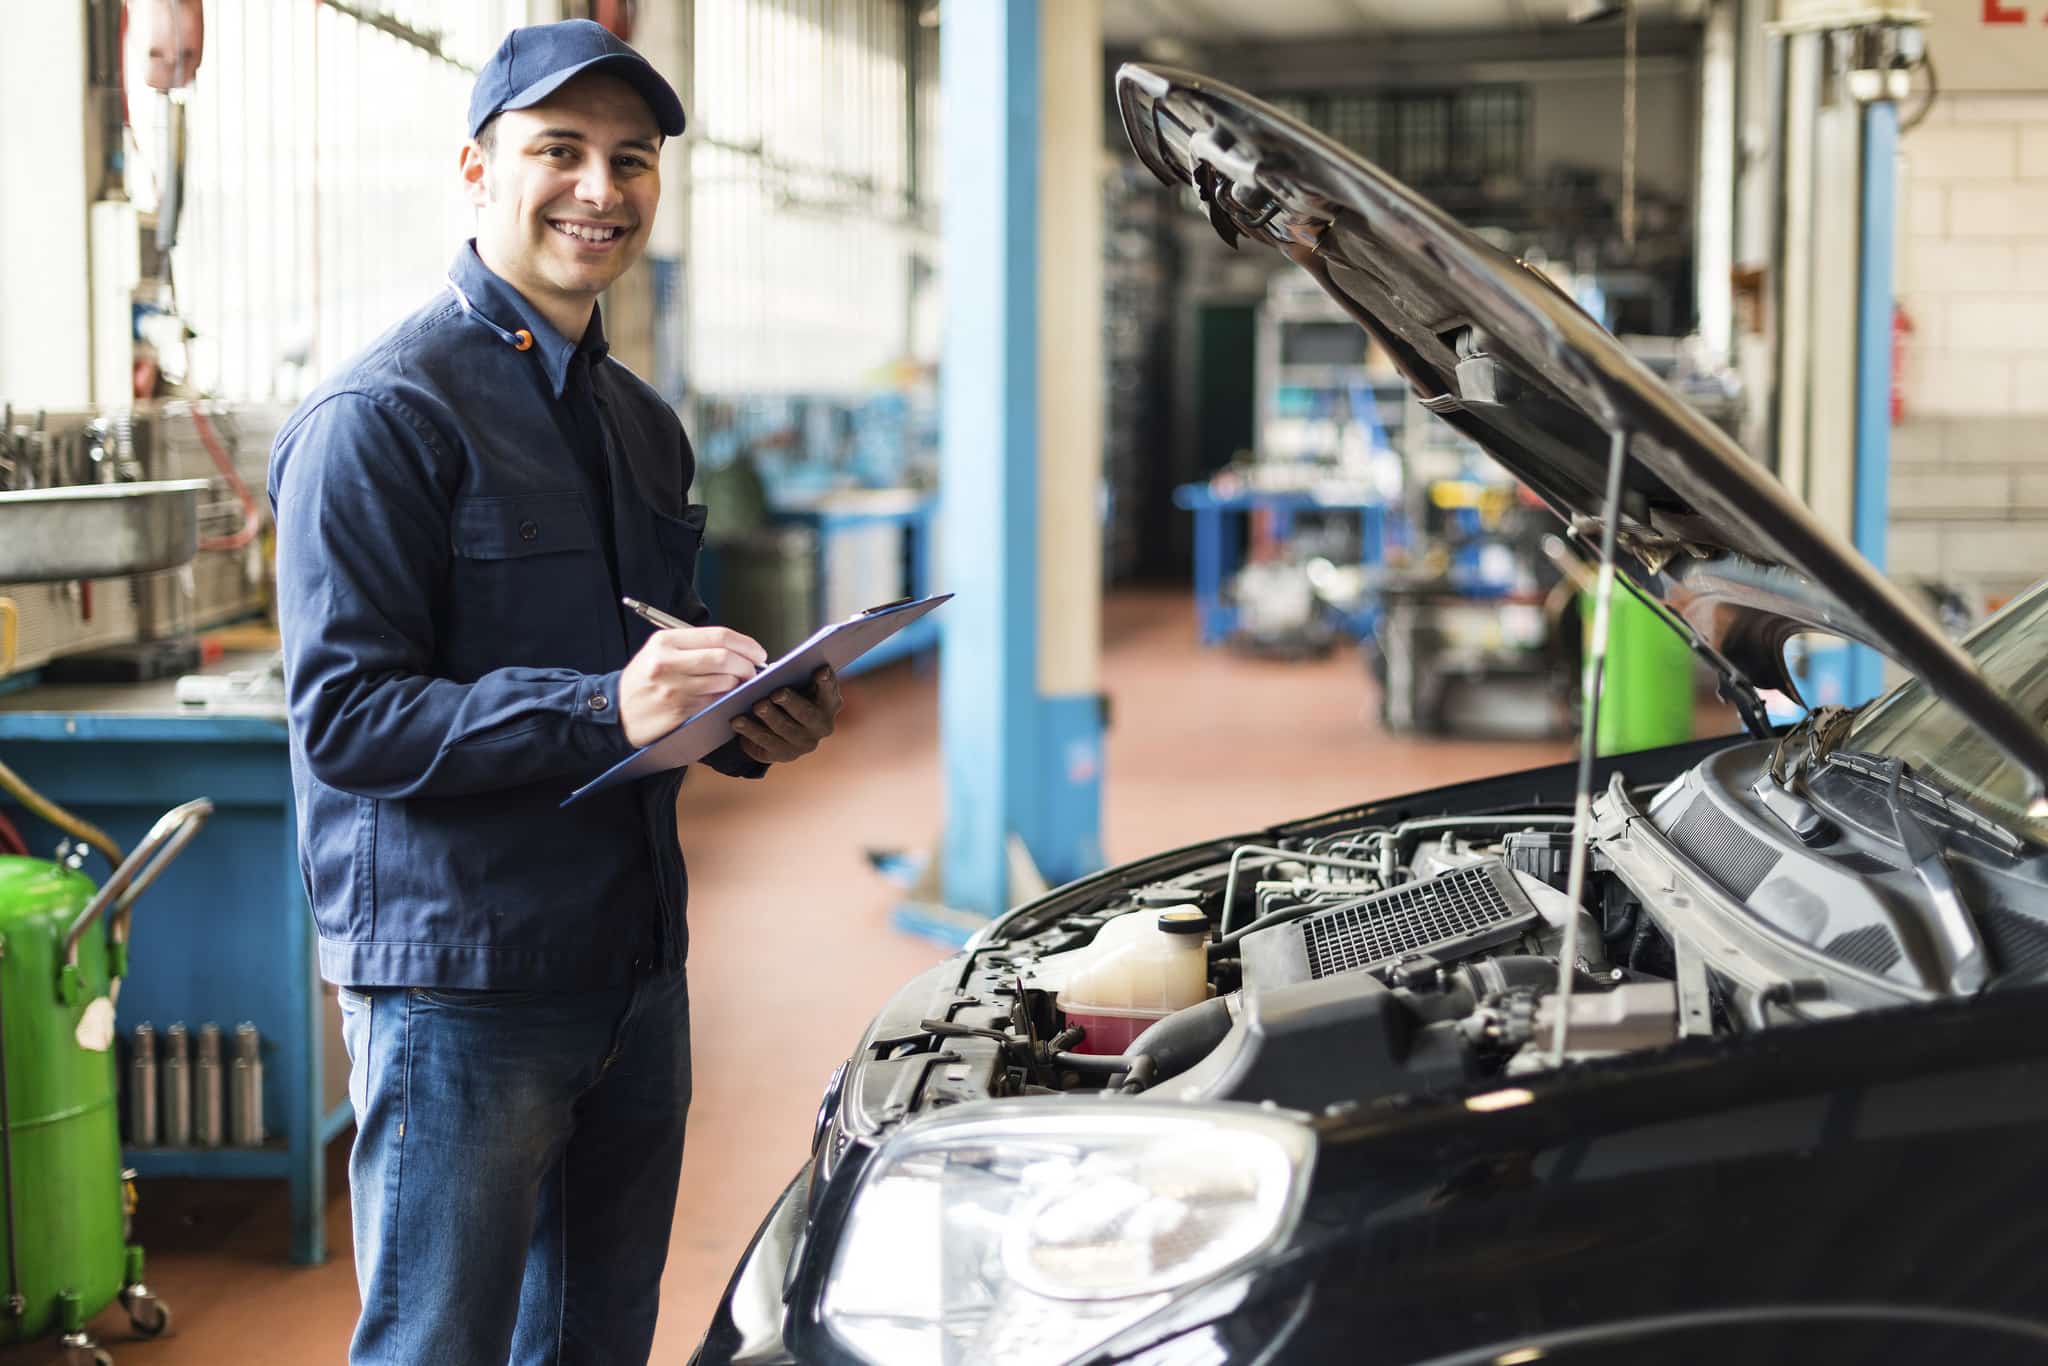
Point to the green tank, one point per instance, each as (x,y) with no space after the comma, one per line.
(1646,700)
(66,1255)
(64,1202)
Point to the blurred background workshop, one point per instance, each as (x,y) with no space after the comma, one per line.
(1216,564)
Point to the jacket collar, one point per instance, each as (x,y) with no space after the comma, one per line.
(505,309)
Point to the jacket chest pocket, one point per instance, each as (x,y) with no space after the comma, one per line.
(529,583)
(679,541)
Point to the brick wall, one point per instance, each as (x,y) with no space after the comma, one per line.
(1969,492)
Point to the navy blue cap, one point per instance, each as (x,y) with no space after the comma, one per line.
(533,63)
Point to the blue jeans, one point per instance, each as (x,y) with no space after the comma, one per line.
(514,1172)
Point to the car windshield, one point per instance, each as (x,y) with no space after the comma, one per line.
(1911,723)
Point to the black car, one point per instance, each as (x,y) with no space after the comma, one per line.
(1730,1052)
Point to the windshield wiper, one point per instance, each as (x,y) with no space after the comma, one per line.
(1879,766)
(1957,942)
(1820,730)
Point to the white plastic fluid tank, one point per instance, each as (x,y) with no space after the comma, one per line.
(1141,968)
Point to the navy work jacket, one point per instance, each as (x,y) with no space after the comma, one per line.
(457,519)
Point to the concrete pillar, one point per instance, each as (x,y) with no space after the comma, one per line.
(1714,207)
(644,312)
(1020,464)
(1835,425)
(1066,839)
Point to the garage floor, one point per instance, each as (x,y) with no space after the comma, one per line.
(792,951)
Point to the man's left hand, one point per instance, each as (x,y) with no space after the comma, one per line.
(789,725)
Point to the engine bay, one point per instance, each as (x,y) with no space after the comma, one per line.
(1368,961)
(1373,960)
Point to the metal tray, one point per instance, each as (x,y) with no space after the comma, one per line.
(97,531)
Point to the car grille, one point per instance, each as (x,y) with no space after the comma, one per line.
(1467,909)
(1871,948)
(2019,942)
(1736,859)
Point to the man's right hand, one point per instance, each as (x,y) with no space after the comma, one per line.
(678,673)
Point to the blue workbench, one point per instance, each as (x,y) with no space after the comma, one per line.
(225,934)
(1216,548)
(912,513)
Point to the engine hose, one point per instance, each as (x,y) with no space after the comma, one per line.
(40,806)
(1275,854)
(1095,1064)
(1183,1038)
(1529,820)
(1491,976)
(1480,980)
(1786,996)
(1454,1002)
(1222,947)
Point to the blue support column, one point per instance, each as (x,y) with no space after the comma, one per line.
(1019,716)
(1874,365)
(988,468)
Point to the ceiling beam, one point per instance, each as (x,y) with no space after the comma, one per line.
(1366,16)
(1196,16)
(1337,64)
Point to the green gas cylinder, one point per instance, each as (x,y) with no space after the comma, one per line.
(65,1254)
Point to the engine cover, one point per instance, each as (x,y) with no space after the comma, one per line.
(1453,915)
(1315,1044)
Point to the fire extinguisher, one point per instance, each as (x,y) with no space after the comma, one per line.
(616,15)
(1902,328)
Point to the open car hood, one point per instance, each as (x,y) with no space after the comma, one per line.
(1501,354)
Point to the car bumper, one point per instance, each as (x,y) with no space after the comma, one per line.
(746,1329)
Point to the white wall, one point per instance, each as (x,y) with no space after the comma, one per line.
(45,333)
(321,200)
(801,239)
(1969,491)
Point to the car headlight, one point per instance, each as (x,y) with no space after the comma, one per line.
(1024,1232)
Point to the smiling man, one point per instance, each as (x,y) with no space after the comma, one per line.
(460,511)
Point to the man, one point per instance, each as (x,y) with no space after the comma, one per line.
(459,513)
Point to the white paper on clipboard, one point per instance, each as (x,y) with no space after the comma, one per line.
(836,645)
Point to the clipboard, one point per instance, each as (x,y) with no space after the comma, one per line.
(837,645)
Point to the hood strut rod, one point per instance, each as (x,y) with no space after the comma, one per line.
(1593,683)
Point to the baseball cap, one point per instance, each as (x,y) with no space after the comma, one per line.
(532,63)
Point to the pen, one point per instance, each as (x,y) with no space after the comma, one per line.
(655,615)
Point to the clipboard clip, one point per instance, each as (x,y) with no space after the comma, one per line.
(887,606)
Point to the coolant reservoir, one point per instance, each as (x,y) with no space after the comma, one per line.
(1140,969)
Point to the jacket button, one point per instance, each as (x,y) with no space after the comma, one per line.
(527,531)
(598,701)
